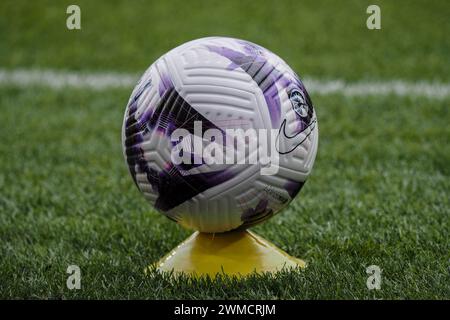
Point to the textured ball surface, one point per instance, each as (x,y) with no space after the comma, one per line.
(221,85)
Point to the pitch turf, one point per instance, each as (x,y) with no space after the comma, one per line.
(379,192)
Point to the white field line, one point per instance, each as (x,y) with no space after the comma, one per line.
(101,81)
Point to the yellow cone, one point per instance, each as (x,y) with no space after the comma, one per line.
(233,253)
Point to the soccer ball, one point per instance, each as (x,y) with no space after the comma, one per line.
(219,134)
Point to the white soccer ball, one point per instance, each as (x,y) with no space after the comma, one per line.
(219,134)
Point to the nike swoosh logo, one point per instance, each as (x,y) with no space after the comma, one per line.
(283,139)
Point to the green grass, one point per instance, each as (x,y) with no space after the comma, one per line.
(379,192)
(378,195)
(316,37)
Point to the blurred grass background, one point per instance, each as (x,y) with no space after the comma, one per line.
(318,38)
(378,193)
